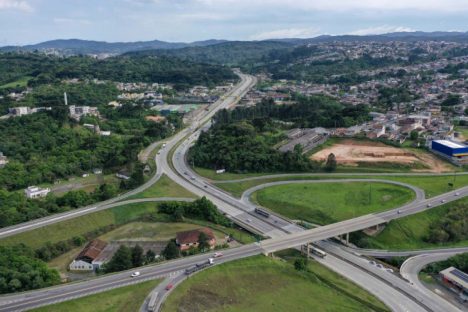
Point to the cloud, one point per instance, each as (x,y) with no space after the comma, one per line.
(342,5)
(64,20)
(378,30)
(15,5)
(287,33)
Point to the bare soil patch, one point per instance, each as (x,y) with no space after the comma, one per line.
(353,153)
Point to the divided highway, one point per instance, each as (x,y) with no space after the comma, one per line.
(283,234)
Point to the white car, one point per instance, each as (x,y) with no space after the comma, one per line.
(135,274)
(429,205)
(443,201)
(456,194)
(249,220)
(217,255)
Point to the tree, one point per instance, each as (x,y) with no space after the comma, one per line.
(203,243)
(150,256)
(171,251)
(122,260)
(300,264)
(330,165)
(414,135)
(137,256)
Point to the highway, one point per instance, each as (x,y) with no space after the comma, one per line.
(283,234)
(412,266)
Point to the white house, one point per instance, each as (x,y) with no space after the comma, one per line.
(80,265)
(36,192)
(3,160)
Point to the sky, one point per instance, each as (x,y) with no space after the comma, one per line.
(32,21)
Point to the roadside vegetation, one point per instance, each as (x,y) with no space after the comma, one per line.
(241,286)
(432,185)
(165,187)
(443,226)
(326,203)
(123,299)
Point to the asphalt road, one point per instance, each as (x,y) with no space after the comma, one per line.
(412,266)
(234,209)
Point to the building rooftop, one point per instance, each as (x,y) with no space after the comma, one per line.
(450,143)
(92,250)
(456,276)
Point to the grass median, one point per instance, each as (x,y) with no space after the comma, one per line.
(326,203)
(266,284)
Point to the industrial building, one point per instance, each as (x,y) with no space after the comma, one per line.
(455,152)
(456,280)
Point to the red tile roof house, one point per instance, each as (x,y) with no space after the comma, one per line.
(188,239)
(84,261)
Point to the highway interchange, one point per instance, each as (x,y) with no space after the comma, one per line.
(397,293)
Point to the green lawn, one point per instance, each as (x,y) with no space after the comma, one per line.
(432,185)
(242,286)
(165,187)
(81,225)
(124,299)
(408,232)
(22,82)
(327,203)
(463,131)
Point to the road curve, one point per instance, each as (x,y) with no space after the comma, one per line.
(288,175)
(412,266)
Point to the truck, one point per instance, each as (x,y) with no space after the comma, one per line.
(262,212)
(152,302)
(199,266)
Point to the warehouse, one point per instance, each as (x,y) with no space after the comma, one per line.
(456,280)
(455,152)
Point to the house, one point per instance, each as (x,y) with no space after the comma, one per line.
(188,239)
(19,111)
(124,175)
(84,260)
(76,112)
(3,160)
(36,192)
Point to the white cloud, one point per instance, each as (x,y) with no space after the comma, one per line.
(15,5)
(64,20)
(378,30)
(287,33)
(343,5)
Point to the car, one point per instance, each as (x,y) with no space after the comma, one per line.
(399,211)
(159,153)
(169,287)
(249,220)
(443,201)
(429,205)
(217,254)
(372,262)
(205,186)
(456,194)
(389,270)
(135,274)
(185,172)
(192,178)
(380,266)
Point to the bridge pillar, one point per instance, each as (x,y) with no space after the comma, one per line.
(347,238)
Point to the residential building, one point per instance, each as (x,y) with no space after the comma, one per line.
(189,239)
(76,112)
(3,160)
(84,260)
(33,192)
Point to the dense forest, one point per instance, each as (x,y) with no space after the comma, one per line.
(313,111)
(20,270)
(452,227)
(243,139)
(42,69)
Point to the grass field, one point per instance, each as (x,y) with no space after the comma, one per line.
(165,187)
(408,232)
(81,225)
(277,286)
(432,185)
(124,299)
(327,203)
(22,82)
